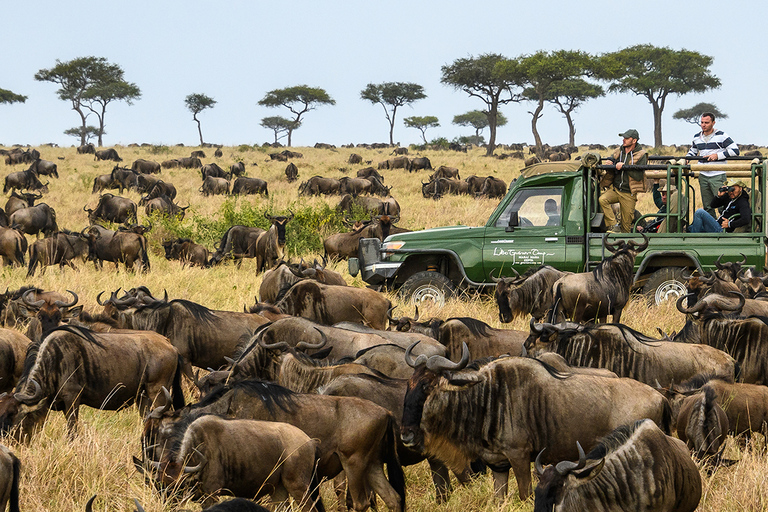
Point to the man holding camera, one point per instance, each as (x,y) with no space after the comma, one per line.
(737,214)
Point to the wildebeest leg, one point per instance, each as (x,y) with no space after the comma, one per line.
(501,483)
(379,484)
(521,467)
(441,479)
(356,487)
(72,417)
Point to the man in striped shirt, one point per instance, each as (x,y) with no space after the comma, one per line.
(711,145)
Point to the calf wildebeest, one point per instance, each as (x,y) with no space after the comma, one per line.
(186,251)
(10,469)
(44,168)
(622,468)
(74,366)
(13,349)
(164,206)
(291,172)
(107,154)
(594,295)
(354,158)
(445,172)
(86,149)
(356,436)
(112,208)
(398,162)
(237,242)
(512,408)
(13,245)
(117,246)
(24,180)
(142,166)
(420,162)
(214,186)
(629,353)
(19,200)
(246,186)
(329,304)
(191,162)
(237,169)
(40,218)
(245,458)
(60,248)
(529,294)
(270,246)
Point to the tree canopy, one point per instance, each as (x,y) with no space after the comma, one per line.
(693,115)
(196,103)
(421,123)
(391,95)
(655,73)
(478,120)
(299,100)
(491,78)
(78,132)
(568,96)
(279,125)
(7,96)
(89,83)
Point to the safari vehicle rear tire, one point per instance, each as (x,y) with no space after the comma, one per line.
(427,286)
(664,285)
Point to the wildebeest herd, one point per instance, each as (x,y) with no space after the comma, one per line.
(594,405)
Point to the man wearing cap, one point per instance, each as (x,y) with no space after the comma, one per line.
(711,145)
(669,197)
(625,184)
(734,199)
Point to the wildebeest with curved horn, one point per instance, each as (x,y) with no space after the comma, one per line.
(24,180)
(270,246)
(117,246)
(617,474)
(112,208)
(34,220)
(529,294)
(511,408)
(238,242)
(60,248)
(74,366)
(587,296)
(19,200)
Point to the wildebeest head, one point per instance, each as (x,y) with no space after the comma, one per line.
(50,314)
(25,409)
(730,269)
(505,294)
(706,308)
(279,223)
(553,478)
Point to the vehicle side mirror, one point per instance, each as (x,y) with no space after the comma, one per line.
(514,221)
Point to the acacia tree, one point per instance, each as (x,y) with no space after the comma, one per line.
(478,120)
(490,77)
(655,73)
(196,103)
(89,84)
(693,114)
(299,100)
(279,125)
(568,96)
(421,123)
(7,96)
(391,95)
(79,132)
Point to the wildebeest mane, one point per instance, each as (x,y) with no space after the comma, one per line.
(613,271)
(364,351)
(283,291)
(33,349)
(476,327)
(614,440)
(697,381)
(271,394)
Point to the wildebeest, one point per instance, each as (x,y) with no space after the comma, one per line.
(10,469)
(398,162)
(12,303)
(19,200)
(40,218)
(165,206)
(245,458)
(199,153)
(17,156)
(24,180)
(636,467)
(117,246)
(629,353)
(246,186)
(86,149)
(511,408)
(44,168)
(529,294)
(214,186)
(236,505)
(13,245)
(367,172)
(112,208)
(445,172)
(492,188)
(158,189)
(701,423)
(593,295)
(104,182)
(345,245)
(318,185)
(214,170)
(60,248)
(74,366)
(46,313)
(354,435)
(237,169)
(238,242)
(13,349)
(420,162)
(142,166)
(329,304)
(354,158)
(186,251)
(124,178)
(285,274)
(191,162)
(291,172)
(107,154)
(270,246)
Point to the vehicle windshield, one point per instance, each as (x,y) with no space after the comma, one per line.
(536,207)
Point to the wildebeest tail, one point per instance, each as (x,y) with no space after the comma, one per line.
(144,255)
(14,498)
(556,301)
(736,371)
(177,392)
(314,492)
(389,456)
(666,418)
(32,259)
(20,252)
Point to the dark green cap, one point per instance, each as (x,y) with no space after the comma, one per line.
(631,134)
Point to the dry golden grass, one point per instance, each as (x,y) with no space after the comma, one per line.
(60,476)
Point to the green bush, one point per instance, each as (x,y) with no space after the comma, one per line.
(159,150)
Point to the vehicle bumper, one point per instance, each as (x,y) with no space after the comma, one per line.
(369,263)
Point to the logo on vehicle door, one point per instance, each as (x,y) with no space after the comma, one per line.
(529,257)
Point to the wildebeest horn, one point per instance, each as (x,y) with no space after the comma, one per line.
(639,247)
(139,508)
(32,399)
(416,318)
(304,345)
(537,464)
(613,246)
(740,276)
(717,262)
(742,301)
(89,505)
(26,299)
(566,466)
(195,469)
(440,363)
(63,304)
(689,311)
(421,359)
(389,315)
(98,298)
(158,412)
(708,280)
(536,328)
(494,279)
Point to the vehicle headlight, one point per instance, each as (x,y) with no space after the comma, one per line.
(397,244)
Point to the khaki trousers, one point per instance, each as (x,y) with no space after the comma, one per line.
(627,204)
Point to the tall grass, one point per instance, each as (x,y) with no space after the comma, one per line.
(60,476)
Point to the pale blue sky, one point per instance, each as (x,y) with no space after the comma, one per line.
(236,51)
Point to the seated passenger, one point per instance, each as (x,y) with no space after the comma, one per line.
(733,199)
(552,211)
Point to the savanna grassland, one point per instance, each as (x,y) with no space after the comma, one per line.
(60,476)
